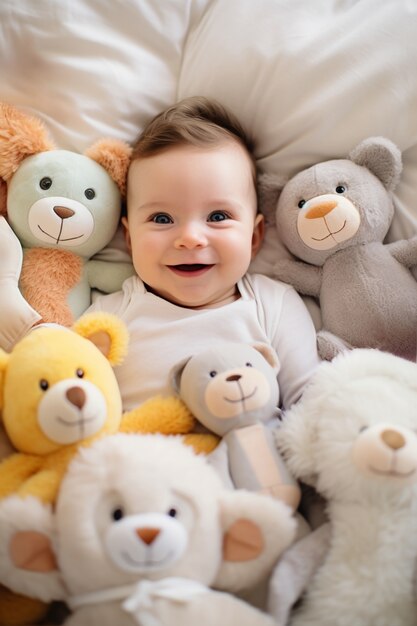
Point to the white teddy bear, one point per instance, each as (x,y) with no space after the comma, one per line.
(143,528)
(354,436)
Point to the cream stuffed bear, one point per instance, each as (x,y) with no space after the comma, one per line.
(354,436)
(142,530)
(333,217)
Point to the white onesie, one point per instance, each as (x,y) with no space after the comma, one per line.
(162,334)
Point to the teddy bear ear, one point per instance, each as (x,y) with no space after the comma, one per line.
(268,353)
(380,156)
(269,187)
(108,333)
(114,155)
(21,136)
(256,529)
(27,557)
(176,373)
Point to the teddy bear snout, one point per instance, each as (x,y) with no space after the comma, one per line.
(63,212)
(320,210)
(148,535)
(393,439)
(233,378)
(76,396)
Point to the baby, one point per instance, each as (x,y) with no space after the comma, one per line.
(192,228)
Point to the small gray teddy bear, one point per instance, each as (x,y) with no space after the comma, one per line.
(333,217)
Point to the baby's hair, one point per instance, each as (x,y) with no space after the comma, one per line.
(195,121)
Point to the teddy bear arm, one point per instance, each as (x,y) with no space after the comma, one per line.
(256,464)
(15,470)
(108,276)
(203,443)
(404,251)
(43,485)
(216,607)
(168,416)
(303,277)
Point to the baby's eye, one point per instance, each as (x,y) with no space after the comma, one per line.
(218,216)
(161,218)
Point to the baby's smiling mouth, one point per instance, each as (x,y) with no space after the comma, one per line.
(190,268)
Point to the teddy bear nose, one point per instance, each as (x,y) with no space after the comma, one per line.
(320,210)
(148,535)
(63,212)
(76,396)
(233,378)
(393,439)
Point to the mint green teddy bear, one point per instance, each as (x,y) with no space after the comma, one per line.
(62,208)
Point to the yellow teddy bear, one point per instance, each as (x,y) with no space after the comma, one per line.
(58,392)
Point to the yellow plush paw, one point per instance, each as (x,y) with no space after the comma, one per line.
(203,443)
(168,416)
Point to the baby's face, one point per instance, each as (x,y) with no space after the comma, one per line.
(192,227)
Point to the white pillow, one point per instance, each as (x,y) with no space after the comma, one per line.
(309,80)
(93,68)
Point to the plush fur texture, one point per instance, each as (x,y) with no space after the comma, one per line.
(353,436)
(47,278)
(172,519)
(333,218)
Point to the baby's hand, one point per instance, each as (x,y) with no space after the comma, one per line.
(11,253)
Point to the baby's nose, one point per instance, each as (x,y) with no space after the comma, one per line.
(191,236)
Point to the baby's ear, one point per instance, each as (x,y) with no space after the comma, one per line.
(27,553)
(256,530)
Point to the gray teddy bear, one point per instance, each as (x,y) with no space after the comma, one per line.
(333,217)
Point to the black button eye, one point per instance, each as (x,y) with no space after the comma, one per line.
(340,189)
(172,512)
(301,204)
(117,514)
(80,373)
(248,364)
(213,373)
(90,193)
(45,183)
(43,384)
